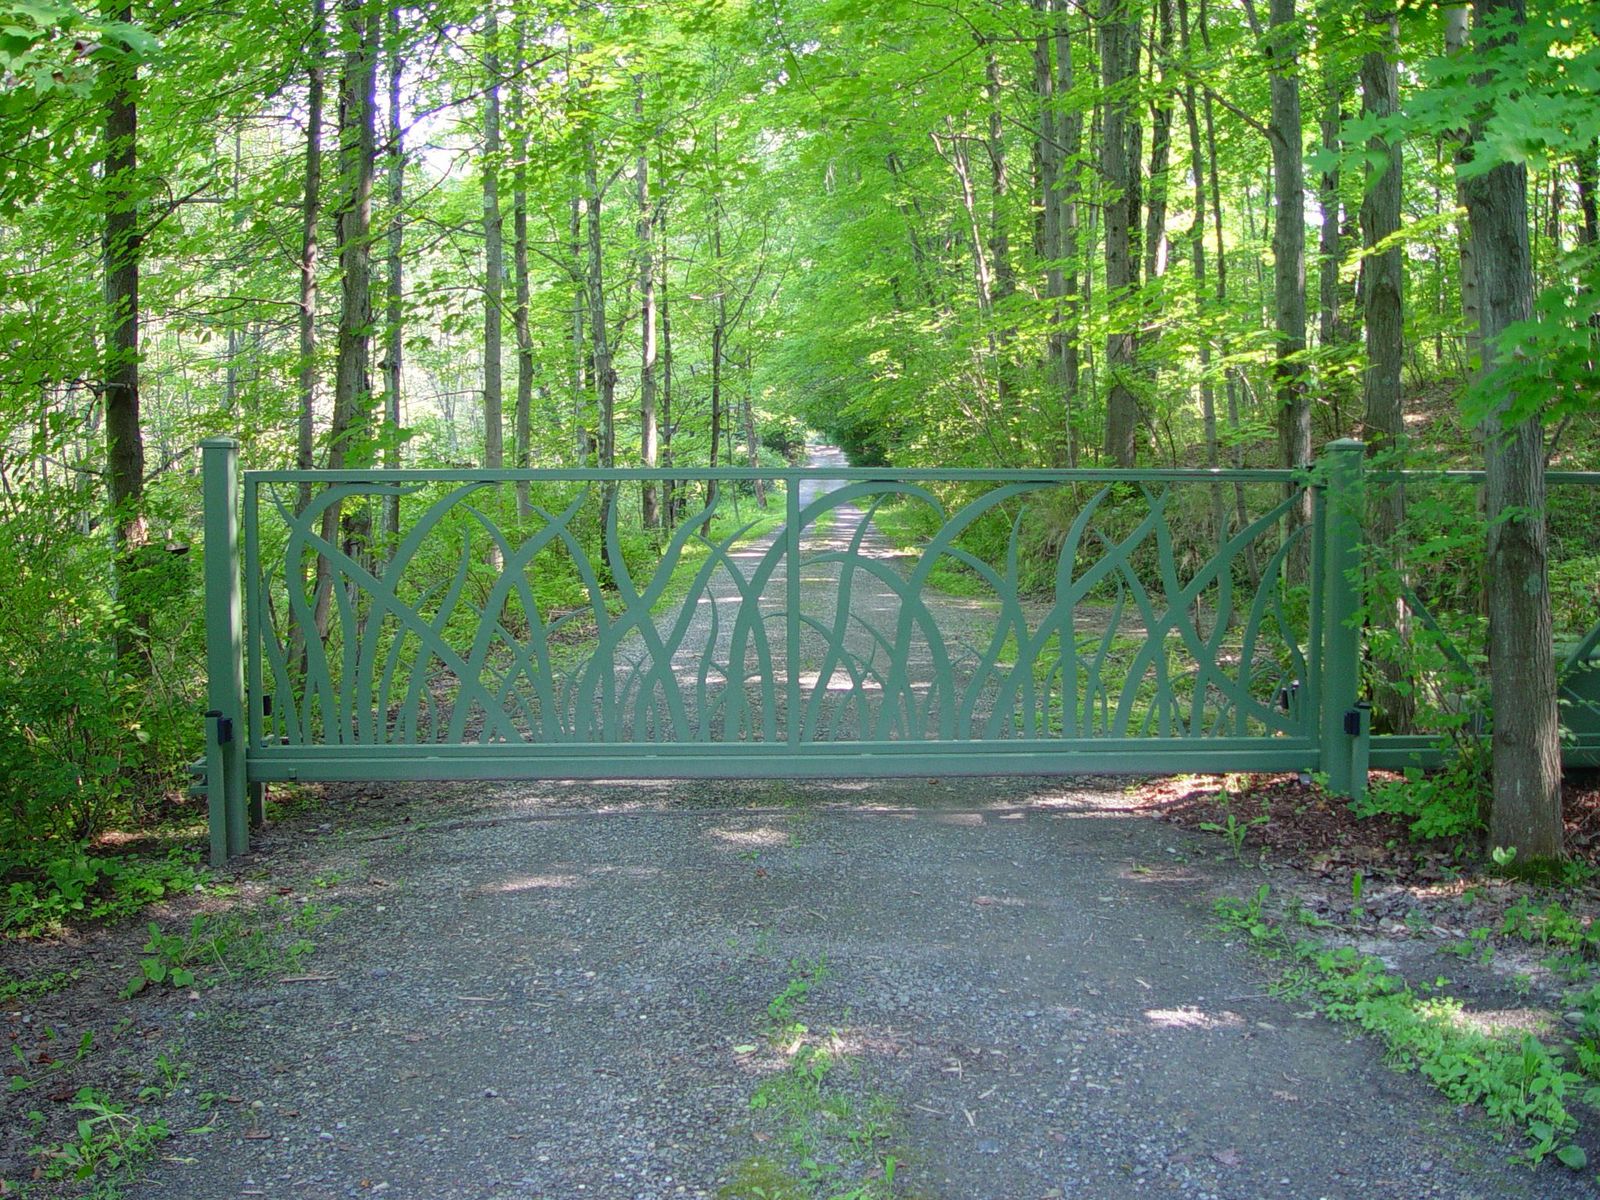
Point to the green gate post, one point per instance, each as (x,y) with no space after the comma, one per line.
(226,729)
(1344,463)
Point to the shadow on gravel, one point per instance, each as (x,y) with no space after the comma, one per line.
(581,990)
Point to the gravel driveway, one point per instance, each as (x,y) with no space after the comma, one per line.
(541,996)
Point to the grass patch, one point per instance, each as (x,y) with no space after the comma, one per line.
(39,985)
(1520,1082)
(833,1140)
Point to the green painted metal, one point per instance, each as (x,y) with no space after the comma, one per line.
(1340,683)
(478,646)
(225,725)
(435,646)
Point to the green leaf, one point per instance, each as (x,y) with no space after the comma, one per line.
(1572,1156)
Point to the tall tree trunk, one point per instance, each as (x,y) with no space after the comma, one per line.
(1381,272)
(1329,248)
(1069,132)
(494,265)
(310,213)
(1382,290)
(577,376)
(350,431)
(1155,236)
(648,433)
(752,435)
(604,374)
(1526,811)
(1197,260)
(124,433)
(1231,378)
(523,433)
(669,497)
(1047,157)
(1282,45)
(1455,42)
(1588,184)
(394,315)
(1119,75)
(1005,276)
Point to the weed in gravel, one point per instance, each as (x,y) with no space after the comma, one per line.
(1233,829)
(1518,1081)
(834,1139)
(44,892)
(109,1145)
(39,985)
(230,944)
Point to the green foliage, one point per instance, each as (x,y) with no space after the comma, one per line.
(1514,1077)
(42,985)
(1233,829)
(225,944)
(44,890)
(1446,803)
(825,1128)
(110,1143)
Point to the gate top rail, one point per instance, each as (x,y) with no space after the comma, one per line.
(845,474)
(1424,475)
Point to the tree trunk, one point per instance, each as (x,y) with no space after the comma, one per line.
(1197,260)
(494,265)
(577,377)
(604,374)
(1455,42)
(1588,184)
(394,316)
(1382,290)
(1381,272)
(1119,74)
(124,433)
(350,432)
(1329,248)
(1282,46)
(1005,276)
(752,438)
(311,213)
(1525,814)
(1070,134)
(648,433)
(523,434)
(669,498)
(1155,236)
(1231,378)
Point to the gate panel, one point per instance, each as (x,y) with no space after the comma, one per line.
(566,637)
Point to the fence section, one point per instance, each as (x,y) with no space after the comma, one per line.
(830,621)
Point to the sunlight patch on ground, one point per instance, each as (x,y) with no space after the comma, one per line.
(529,883)
(760,837)
(1494,1021)
(1185,1017)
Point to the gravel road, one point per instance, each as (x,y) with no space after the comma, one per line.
(540,996)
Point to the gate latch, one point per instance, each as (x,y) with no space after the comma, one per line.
(224,727)
(1355,719)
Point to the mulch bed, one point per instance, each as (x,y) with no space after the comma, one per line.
(1312,831)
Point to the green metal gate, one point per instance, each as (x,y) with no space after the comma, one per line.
(522,625)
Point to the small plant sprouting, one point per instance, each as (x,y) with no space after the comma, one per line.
(1233,829)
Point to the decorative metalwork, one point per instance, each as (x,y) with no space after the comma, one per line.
(446,638)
